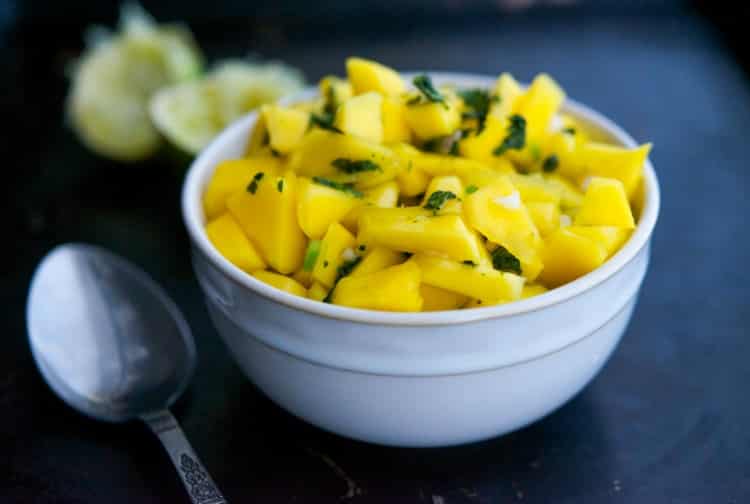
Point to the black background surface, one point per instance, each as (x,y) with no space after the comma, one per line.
(666,420)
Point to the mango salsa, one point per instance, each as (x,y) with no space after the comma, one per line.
(384,194)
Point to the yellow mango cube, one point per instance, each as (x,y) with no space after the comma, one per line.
(366,75)
(319,149)
(258,138)
(446,183)
(497,212)
(377,259)
(433,119)
(508,90)
(534,187)
(232,176)
(605,204)
(626,165)
(384,195)
(531,290)
(480,147)
(303,277)
(612,238)
(362,116)
(282,282)
(333,254)
(437,299)
(545,215)
(286,126)
(539,104)
(334,91)
(392,289)
(319,206)
(478,282)
(268,216)
(317,291)
(570,195)
(227,236)
(395,128)
(417,230)
(567,256)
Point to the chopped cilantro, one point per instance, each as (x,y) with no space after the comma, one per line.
(280,185)
(362,248)
(351,166)
(569,130)
(454,149)
(478,103)
(329,109)
(325,264)
(324,121)
(471,189)
(516,136)
(253,185)
(339,186)
(266,139)
(275,153)
(437,199)
(424,84)
(311,255)
(503,260)
(551,163)
(469,262)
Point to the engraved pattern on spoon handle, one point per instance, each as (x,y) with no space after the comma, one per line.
(198,483)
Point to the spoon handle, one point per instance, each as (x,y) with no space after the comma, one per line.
(198,483)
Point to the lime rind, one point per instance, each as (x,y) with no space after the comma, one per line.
(190,115)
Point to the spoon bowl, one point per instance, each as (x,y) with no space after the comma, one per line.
(112,345)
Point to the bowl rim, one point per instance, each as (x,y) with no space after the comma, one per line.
(193,217)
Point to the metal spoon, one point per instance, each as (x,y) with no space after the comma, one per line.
(112,345)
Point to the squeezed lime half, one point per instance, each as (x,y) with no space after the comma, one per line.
(191,114)
(117,75)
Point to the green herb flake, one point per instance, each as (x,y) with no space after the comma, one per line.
(351,166)
(339,186)
(437,199)
(311,255)
(362,248)
(478,102)
(516,135)
(471,189)
(344,270)
(252,187)
(331,102)
(551,163)
(324,121)
(471,263)
(428,91)
(454,149)
(325,264)
(280,185)
(569,130)
(502,260)
(275,153)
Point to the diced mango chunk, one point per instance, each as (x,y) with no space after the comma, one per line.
(433,119)
(612,238)
(539,104)
(317,291)
(319,149)
(411,180)
(395,128)
(318,206)
(228,238)
(497,212)
(232,176)
(268,216)
(286,126)
(626,165)
(534,187)
(605,204)
(508,90)
(567,256)
(392,289)
(436,299)
(377,259)
(546,216)
(334,91)
(362,116)
(450,184)
(366,75)
(303,276)
(384,195)
(478,282)
(570,195)
(417,230)
(333,254)
(282,282)
(531,290)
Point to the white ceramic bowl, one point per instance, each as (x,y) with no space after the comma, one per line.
(419,379)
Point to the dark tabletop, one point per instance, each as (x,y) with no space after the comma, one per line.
(668,418)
